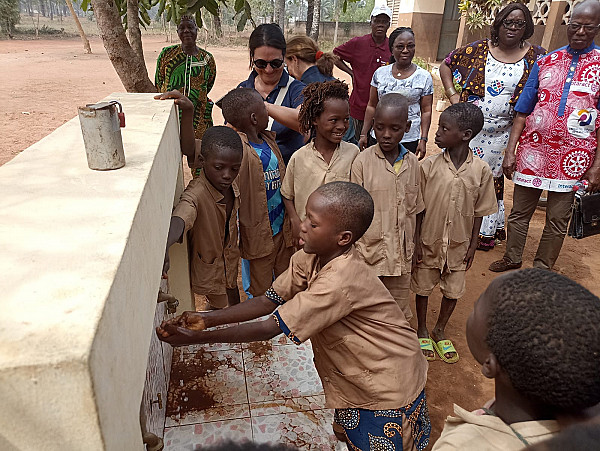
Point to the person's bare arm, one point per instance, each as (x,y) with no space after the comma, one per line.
(294,219)
(187,133)
(592,175)
(285,115)
(448,82)
(510,160)
(341,64)
(418,254)
(245,311)
(241,333)
(176,229)
(426,104)
(369,114)
(474,242)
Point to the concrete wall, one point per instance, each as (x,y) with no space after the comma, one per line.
(81,255)
(346,30)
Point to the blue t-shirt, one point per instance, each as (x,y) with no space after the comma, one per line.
(287,139)
(272,185)
(313,75)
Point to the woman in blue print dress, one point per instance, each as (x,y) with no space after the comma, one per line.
(492,74)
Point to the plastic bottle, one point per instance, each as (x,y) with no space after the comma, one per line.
(581,186)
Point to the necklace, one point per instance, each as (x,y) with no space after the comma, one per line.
(402,72)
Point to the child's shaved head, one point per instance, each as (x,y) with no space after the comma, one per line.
(466,115)
(396,101)
(350,205)
(238,104)
(544,329)
(220,139)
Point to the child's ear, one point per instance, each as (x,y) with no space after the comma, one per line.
(490,367)
(253,119)
(467,134)
(345,238)
(408,124)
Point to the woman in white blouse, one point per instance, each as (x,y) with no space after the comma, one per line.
(404,77)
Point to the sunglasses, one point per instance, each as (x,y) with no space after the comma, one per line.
(514,24)
(262,64)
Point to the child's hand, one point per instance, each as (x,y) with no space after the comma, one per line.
(421,149)
(182,330)
(180,100)
(295,230)
(362,142)
(470,256)
(166,266)
(417,255)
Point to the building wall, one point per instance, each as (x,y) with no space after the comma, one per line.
(82,254)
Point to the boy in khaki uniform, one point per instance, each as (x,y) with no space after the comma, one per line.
(366,353)
(458,190)
(265,231)
(391,174)
(525,332)
(208,208)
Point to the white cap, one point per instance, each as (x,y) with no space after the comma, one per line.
(381,7)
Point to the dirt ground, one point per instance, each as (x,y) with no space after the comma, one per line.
(46,80)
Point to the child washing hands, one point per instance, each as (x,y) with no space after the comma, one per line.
(366,353)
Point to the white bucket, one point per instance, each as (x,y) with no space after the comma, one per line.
(101,131)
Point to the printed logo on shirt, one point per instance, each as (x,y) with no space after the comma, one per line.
(457,76)
(496,88)
(582,123)
(575,163)
(272,180)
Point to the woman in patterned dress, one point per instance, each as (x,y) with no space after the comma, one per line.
(492,73)
(189,69)
(406,78)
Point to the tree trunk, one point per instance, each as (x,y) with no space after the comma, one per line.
(316,20)
(217,24)
(133,27)
(309,15)
(86,43)
(130,67)
(51,8)
(279,13)
(336,18)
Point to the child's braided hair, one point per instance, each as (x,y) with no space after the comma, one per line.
(315,96)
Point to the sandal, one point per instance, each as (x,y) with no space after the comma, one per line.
(427,345)
(444,346)
(486,243)
(504,265)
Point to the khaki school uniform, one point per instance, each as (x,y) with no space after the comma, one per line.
(453,199)
(214,239)
(366,354)
(472,432)
(307,170)
(388,245)
(267,254)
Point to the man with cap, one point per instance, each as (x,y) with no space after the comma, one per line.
(364,54)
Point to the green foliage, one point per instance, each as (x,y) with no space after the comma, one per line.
(478,12)
(9,15)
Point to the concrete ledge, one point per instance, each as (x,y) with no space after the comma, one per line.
(81,256)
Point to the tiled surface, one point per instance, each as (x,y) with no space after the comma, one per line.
(267,392)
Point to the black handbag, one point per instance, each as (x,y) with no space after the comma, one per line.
(585,218)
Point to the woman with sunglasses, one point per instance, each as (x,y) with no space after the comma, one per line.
(406,78)
(492,73)
(267,52)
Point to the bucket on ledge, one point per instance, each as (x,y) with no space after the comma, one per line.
(101,128)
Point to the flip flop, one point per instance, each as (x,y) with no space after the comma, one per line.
(444,346)
(426,345)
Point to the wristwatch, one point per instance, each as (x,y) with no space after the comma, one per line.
(423,138)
